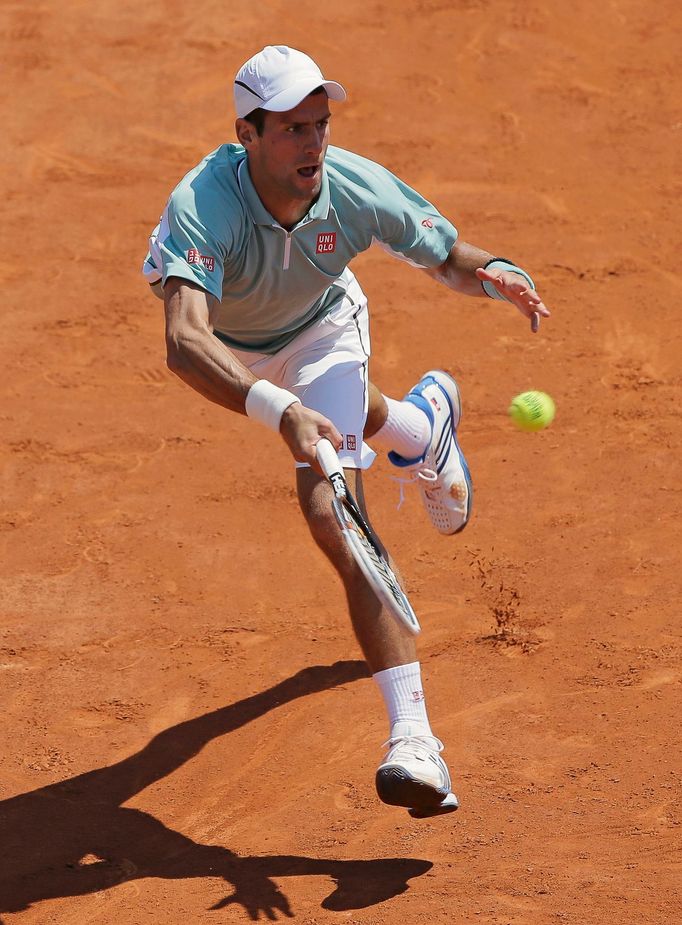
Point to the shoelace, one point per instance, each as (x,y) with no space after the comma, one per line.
(414,744)
(426,474)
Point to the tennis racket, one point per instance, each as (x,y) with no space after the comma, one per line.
(363,543)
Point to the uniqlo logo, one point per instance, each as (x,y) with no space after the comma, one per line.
(326,243)
(351,442)
(193,256)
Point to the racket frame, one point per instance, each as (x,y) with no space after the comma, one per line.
(363,543)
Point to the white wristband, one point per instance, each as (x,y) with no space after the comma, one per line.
(501,264)
(267,403)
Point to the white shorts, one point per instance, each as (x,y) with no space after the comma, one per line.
(326,367)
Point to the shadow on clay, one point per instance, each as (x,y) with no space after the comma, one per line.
(74,837)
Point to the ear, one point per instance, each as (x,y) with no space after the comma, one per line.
(245,132)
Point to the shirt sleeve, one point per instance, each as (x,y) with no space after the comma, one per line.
(409,226)
(186,246)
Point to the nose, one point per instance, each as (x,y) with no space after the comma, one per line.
(314,140)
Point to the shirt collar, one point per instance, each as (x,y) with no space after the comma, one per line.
(318,210)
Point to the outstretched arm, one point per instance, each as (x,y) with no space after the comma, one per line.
(213,370)
(463,271)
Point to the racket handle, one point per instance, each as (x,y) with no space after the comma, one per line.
(328,458)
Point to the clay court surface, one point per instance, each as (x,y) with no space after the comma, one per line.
(189,734)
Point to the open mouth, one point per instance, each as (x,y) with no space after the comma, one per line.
(309,172)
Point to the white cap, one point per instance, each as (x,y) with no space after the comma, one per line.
(277,79)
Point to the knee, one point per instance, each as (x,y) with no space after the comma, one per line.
(327,534)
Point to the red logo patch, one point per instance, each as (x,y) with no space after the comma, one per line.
(326,243)
(351,442)
(193,256)
(427,223)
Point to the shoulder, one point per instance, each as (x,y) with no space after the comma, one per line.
(367,184)
(368,196)
(348,170)
(361,191)
(210,194)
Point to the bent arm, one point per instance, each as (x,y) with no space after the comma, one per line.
(212,369)
(195,355)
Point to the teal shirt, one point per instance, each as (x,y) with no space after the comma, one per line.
(272,283)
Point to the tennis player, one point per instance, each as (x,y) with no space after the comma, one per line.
(264,317)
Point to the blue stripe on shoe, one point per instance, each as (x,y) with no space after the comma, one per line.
(443,448)
(440,461)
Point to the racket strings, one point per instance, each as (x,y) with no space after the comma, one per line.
(372,560)
(363,544)
(384,569)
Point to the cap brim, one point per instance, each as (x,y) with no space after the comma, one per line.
(292,96)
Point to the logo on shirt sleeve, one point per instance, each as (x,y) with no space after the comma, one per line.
(427,223)
(193,256)
(326,243)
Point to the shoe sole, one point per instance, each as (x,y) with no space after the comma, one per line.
(449,805)
(397,788)
(449,388)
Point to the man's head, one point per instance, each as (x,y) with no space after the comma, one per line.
(283,115)
(277,79)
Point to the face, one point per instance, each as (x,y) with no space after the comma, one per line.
(285,162)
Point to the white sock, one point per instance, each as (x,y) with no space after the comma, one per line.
(407,430)
(404,697)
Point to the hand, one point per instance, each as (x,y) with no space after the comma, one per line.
(257,895)
(302,428)
(515,287)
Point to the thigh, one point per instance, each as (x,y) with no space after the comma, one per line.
(330,375)
(327,368)
(335,383)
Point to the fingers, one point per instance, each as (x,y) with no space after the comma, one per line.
(316,462)
(302,428)
(516,289)
(328,430)
(533,303)
(320,428)
(534,311)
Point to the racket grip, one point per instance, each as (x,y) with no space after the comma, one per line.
(328,458)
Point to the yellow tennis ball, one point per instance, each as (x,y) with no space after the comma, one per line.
(532,410)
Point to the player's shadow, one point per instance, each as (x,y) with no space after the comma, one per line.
(75,837)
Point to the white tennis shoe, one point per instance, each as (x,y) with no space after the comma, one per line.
(441,472)
(414,775)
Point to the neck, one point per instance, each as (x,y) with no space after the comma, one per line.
(287,210)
